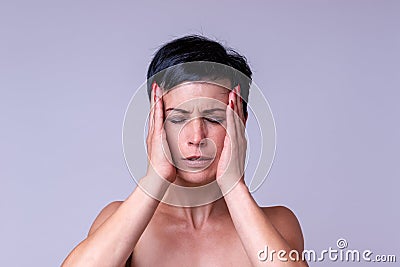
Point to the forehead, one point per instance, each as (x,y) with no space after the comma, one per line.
(198,93)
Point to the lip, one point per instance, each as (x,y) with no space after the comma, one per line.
(200,162)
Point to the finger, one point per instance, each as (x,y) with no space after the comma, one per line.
(230,118)
(158,112)
(238,121)
(240,102)
(152,107)
(240,111)
(239,127)
(151,119)
(166,149)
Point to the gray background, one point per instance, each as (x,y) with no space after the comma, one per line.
(330,70)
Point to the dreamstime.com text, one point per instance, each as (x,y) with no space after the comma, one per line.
(342,254)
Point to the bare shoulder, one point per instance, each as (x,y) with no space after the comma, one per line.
(287,224)
(104,214)
(279,213)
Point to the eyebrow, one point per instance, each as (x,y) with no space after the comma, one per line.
(177,110)
(207,111)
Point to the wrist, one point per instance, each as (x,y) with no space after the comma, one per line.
(154,186)
(227,184)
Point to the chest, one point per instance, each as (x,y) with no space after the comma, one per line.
(216,247)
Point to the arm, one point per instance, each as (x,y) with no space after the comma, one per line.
(119,226)
(114,233)
(254,226)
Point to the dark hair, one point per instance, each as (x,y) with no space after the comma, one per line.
(194,58)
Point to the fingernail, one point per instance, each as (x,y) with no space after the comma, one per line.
(231,104)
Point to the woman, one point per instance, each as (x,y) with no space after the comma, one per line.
(195,138)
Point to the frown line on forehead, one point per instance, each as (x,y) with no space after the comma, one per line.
(206,111)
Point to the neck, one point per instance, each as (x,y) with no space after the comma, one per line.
(195,204)
(197,217)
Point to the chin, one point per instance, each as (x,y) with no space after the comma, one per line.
(193,179)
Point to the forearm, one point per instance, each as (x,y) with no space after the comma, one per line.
(255,228)
(112,243)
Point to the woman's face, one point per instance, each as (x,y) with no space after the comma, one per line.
(195,121)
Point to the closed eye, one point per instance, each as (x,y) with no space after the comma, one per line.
(176,120)
(215,120)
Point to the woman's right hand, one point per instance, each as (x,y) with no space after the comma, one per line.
(158,152)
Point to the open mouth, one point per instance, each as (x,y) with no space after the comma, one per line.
(193,158)
(198,161)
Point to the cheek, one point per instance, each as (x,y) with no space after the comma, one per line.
(171,133)
(174,142)
(218,136)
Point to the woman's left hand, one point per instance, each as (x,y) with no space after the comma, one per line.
(230,168)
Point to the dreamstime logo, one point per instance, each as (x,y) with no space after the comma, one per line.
(341,243)
(341,254)
(260,134)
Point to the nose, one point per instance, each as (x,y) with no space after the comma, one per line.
(196,132)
